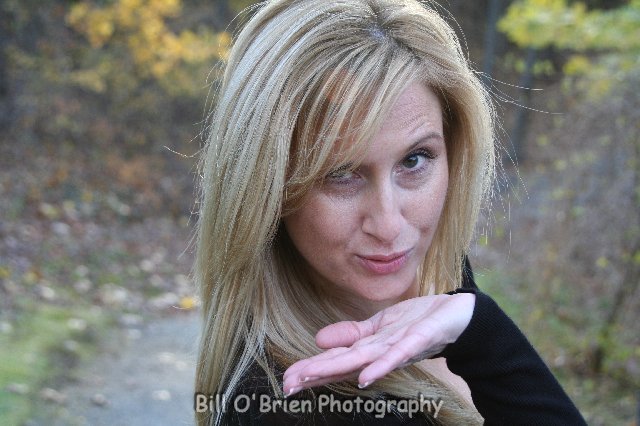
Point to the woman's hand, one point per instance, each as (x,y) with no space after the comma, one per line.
(393,338)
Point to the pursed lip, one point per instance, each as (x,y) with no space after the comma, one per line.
(382,264)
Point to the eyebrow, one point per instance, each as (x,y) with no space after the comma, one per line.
(423,139)
(426,138)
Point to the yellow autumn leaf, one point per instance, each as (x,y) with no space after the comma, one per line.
(77,14)
(141,27)
(5,272)
(165,7)
(188,302)
(602,262)
(578,64)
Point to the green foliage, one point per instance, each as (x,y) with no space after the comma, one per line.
(585,194)
(542,23)
(240,5)
(611,36)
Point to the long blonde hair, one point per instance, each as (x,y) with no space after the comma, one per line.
(303,75)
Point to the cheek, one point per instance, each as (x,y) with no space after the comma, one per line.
(441,185)
(441,190)
(427,206)
(321,227)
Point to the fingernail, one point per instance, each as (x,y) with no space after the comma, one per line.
(291,392)
(364,385)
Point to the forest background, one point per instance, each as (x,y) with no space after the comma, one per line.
(102,109)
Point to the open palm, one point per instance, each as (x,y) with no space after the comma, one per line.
(397,336)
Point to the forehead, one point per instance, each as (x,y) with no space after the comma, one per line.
(417,106)
(415,111)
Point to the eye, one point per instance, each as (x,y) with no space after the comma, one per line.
(341,175)
(416,159)
(412,161)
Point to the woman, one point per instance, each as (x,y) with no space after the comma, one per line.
(349,153)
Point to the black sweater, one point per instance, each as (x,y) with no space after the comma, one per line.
(509,382)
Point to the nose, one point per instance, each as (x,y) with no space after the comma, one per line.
(383,217)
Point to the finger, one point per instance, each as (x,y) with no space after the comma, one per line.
(315,370)
(312,383)
(345,333)
(348,362)
(294,369)
(412,348)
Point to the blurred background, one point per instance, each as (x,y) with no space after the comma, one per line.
(102,107)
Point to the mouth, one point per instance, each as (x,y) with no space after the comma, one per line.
(384,264)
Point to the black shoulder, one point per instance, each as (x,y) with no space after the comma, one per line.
(255,404)
(248,404)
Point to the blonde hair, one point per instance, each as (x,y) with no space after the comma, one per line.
(302,76)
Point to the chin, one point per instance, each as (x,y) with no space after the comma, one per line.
(389,292)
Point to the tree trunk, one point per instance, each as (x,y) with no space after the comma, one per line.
(490,41)
(519,129)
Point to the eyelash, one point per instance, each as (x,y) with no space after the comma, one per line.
(334,176)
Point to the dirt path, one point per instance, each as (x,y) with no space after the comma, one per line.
(146,378)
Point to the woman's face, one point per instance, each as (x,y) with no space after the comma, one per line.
(365,233)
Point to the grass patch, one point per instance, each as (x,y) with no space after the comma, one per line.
(502,290)
(43,344)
